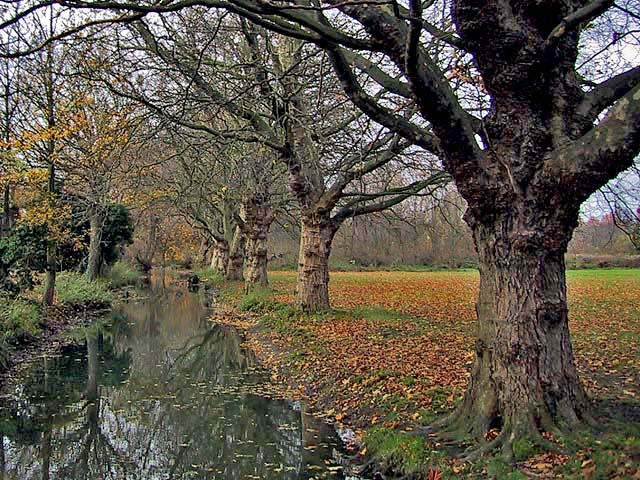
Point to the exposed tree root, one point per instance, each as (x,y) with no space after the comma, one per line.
(460,428)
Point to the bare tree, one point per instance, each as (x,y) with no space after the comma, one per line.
(547,141)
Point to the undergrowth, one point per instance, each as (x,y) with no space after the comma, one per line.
(122,274)
(210,276)
(20,320)
(73,288)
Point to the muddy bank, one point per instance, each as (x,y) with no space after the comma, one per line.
(57,320)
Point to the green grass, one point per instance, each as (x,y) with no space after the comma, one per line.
(404,452)
(210,276)
(72,288)
(19,320)
(122,274)
(376,313)
(604,274)
(258,301)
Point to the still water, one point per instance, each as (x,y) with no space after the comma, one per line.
(155,391)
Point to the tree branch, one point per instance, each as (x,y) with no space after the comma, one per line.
(607,93)
(375,111)
(402,194)
(599,155)
(435,98)
(575,19)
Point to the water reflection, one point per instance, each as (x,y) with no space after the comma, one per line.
(156,392)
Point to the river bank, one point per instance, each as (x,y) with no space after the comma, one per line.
(395,355)
(56,321)
(30,329)
(154,390)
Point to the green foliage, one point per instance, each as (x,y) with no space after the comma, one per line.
(22,254)
(73,288)
(19,317)
(118,232)
(23,251)
(122,274)
(19,320)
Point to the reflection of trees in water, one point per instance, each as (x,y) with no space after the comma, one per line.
(186,407)
(53,416)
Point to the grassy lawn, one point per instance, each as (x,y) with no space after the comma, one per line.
(396,351)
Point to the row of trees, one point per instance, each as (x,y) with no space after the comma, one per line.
(515,101)
(64,152)
(254,125)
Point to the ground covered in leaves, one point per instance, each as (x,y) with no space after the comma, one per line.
(396,351)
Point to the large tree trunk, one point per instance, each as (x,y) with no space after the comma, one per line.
(94,261)
(236,257)
(220,256)
(257,217)
(312,288)
(524,379)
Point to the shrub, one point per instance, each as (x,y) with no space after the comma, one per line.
(19,319)
(73,288)
(122,274)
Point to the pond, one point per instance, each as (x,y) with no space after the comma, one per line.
(156,391)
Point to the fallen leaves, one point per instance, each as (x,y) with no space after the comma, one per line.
(399,347)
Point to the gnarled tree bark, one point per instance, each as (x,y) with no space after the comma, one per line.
(236,256)
(256,215)
(524,379)
(220,256)
(312,287)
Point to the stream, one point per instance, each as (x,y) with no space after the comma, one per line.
(156,391)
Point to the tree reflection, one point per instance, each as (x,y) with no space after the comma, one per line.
(158,393)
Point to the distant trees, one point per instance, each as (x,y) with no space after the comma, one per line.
(271,108)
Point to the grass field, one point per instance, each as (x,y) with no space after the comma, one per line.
(396,352)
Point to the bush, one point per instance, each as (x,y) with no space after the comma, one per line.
(73,288)
(122,274)
(19,320)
